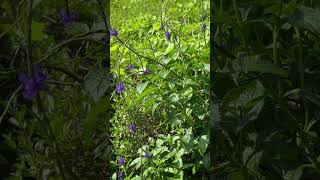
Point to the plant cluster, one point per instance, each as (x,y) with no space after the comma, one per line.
(160,65)
(53,101)
(265,90)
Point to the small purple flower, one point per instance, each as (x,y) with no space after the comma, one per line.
(203,27)
(119,175)
(66,17)
(168,35)
(121,161)
(32,84)
(114,32)
(120,87)
(28,86)
(133,128)
(145,72)
(130,67)
(147,155)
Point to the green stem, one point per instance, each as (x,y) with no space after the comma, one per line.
(67,7)
(275,55)
(29,34)
(9,102)
(235,8)
(300,61)
(301,77)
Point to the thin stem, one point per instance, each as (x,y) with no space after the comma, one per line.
(300,61)
(275,34)
(9,102)
(235,7)
(62,83)
(301,78)
(66,2)
(76,38)
(29,34)
(105,20)
(145,57)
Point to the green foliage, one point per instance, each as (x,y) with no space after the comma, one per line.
(265,90)
(169,105)
(62,132)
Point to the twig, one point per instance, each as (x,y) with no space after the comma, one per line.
(76,38)
(62,83)
(9,102)
(148,58)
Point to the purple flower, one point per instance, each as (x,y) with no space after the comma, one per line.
(203,27)
(66,17)
(28,86)
(130,67)
(119,175)
(32,84)
(145,72)
(168,35)
(133,128)
(147,155)
(114,33)
(39,76)
(121,161)
(120,87)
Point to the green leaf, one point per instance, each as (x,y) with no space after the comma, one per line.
(298,93)
(170,48)
(98,109)
(203,144)
(136,161)
(206,160)
(177,176)
(96,83)
(240,97)
(37,31)
(257,64)
(114,176)
(76,28)
(174,97)
(141,87)
(306,18)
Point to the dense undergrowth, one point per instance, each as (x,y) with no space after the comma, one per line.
(53,73)
(160,65)
(265,90)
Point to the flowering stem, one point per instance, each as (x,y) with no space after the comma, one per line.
(29,31)
(67,7)
(104,15)
(148,58)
